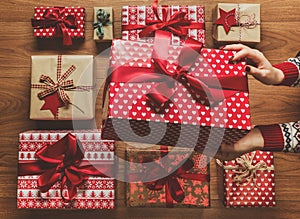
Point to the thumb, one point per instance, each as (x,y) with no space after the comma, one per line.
(253,71)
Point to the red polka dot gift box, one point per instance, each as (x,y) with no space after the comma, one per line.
(65,169)
(59,22)
(172,95)
(248,181)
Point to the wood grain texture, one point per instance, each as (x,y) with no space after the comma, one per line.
(280,40)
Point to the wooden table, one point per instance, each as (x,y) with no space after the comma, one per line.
(280,40)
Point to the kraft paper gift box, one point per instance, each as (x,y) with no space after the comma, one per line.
(178,169)
(103,24)
(65,169)
(142,21)
(237,23)
(248,181)
(186,118)
(59,22)
(62,87)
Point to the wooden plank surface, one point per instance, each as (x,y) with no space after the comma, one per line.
(280,40)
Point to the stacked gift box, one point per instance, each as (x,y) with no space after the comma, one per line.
(161,78)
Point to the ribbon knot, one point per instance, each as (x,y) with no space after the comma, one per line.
(55,17)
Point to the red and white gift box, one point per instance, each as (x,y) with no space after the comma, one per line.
(129,117)
(64,22)
(249,180)
(95,193)
(136,18)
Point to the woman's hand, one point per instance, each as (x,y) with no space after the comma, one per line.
(263,70)
(250,142)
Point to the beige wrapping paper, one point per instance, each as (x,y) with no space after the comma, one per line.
(82,101)
(108,29)
(236,33)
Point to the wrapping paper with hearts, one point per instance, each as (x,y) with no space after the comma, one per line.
(128,116)
(95,193)
(256,190)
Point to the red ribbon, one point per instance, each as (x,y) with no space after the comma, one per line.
(206,87)
(62,162)
(56,17)
(173,188)
(176,24)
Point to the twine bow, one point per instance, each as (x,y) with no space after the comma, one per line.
(245,170)
(62,162)
(102,20)
(57,18)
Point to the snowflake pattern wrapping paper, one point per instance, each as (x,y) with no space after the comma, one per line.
(95,193)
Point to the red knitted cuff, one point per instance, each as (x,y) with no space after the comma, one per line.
(273,138)
(290,71)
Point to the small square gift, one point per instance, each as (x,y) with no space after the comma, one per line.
(59,22)
(175,95)
(103,24)
(248,181)
(237,23)
(62,87)
(65,169)
(140,22)
(165,177)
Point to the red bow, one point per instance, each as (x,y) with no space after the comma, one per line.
(176,24)
(207,88)
(62,162)
(56,17)
(173,188)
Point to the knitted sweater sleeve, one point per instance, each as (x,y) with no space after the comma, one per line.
(284,137)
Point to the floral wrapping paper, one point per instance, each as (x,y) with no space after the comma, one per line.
(196,191)
(94,193)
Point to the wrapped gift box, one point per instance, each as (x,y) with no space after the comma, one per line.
(248,181)
(103,26)
(47,23)
(187,119)
(185,167)
(96,191)
(139,18)
(62,87)
(237,23)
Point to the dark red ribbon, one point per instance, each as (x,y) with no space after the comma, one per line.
(56,17)
(176,24)
(62,162)
(173,189)
(206,87)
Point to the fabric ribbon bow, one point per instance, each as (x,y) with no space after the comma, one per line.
(173,189)
(102,20)
(62,162)
(57,18)
(245,170)
(176,24)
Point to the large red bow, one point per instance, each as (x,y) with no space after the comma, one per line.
(206,87)
(57,18)
(172,187)
(176,24)
(62,162)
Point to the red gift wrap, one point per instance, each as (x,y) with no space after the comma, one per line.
(249,180)
(184,181)
(62,22)
(65,169)
(211,95)
(139,22)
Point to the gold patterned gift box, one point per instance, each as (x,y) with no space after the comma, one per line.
(62,87)
(237,23)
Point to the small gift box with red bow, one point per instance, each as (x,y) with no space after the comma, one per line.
(248,181)
(175,95)
(65,169)
(165,177)
(61,22)
(237,23)
(140,22)
(62,87)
